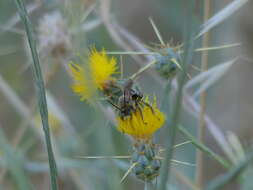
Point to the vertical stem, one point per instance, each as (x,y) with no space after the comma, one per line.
(41,94)
(176,111)
(147,186)
(201,125)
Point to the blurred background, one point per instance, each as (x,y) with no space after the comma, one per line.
(63,29)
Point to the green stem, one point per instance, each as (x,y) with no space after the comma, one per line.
(40,91)
(175,115)
(147,186)
(201,123)
(165,104)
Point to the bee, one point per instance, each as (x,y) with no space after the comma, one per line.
(130,101)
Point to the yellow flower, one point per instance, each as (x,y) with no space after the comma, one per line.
(142,124)
(99,71)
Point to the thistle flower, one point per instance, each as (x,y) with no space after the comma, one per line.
(97,76)
(143,123)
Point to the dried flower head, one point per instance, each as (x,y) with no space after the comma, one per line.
(54,36)
(98,74)
(142,123)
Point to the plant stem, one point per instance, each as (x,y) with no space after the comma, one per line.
(175,115)
(40,91)
(147,186)
(202,124)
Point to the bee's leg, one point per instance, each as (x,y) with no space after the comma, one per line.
(148,105)
(151,108)
(139,109)
(114,105)
(137,105)
(124,96)
(131,119)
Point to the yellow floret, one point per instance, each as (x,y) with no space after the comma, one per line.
(142,125)
(102,67)
(99,71)
(82,84)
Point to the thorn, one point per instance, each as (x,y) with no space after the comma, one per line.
(157,31)
(128,172)
(103,157)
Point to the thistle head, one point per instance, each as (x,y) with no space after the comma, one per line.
(166,62)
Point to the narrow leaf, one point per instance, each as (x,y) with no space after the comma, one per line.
(214,78)
(221,16)
(212,75)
